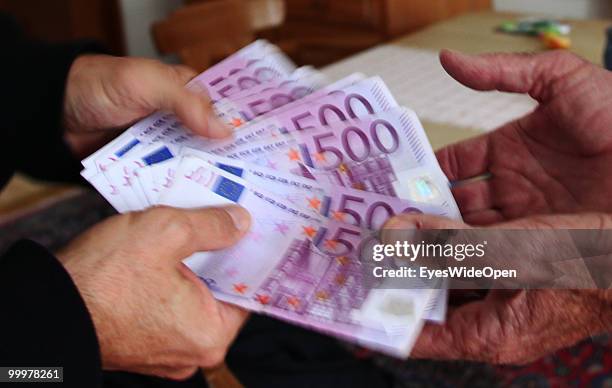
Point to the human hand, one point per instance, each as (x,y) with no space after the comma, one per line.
(557,159)
(106,92)
(151,313)
(515,326)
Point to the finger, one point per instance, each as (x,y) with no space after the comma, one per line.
(185,231)
(474,196)
(233,317)
(466,159)
(411,227)
(510,72)
(561,252)
(456,339)
(217,227)
(184,73)
(473,331)
(422,221)
(194,110)
(596,221)
(485,217)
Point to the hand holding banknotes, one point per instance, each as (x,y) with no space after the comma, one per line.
(152,315)
(321,169)
(299,262)
(544,168)
(106,92)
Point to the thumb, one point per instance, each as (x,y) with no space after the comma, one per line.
(570,250)
(194,110)
(217,227)
(417,227)
(186,231)
(564,251)
(560,221)
(510,72)
(423,221)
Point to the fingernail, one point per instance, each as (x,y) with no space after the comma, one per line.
(401,222)
(217,129)
(455,53)
(398,228)
(240,217)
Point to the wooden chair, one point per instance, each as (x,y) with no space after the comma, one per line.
(203,32)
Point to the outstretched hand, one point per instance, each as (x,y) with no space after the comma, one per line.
(550,169)
(151,313)
(557,159)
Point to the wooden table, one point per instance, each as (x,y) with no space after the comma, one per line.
(475,33)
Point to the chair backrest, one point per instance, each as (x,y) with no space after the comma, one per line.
(262,14)
(203,32)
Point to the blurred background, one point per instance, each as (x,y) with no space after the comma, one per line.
(329,34)
(315,32)
(396,39)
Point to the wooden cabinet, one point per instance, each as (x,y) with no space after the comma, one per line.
(403,16)
(327,30)
(389,17)
(324,31)
(358,13)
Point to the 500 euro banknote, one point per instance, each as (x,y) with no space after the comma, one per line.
(161,126)
(296,266)
(386,153)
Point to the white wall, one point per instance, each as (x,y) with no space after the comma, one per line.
(138,15)
(579,9)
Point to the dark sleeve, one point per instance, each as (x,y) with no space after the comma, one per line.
(44,320)
(33,77)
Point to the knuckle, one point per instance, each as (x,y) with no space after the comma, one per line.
(180,229)
(126,69)
(490,353)
(182,73)
(160,216)
(173,223)
(136,72)
(510,356)
(221,223)
(480,347)
(565,56)
(132,219)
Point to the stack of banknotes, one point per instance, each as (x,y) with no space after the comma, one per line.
(320,166)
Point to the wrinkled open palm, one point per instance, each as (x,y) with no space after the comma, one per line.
(558,159)
(549,169)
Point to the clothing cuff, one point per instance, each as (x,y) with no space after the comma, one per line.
(45,153)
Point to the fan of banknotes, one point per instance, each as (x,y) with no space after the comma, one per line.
(320,166)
